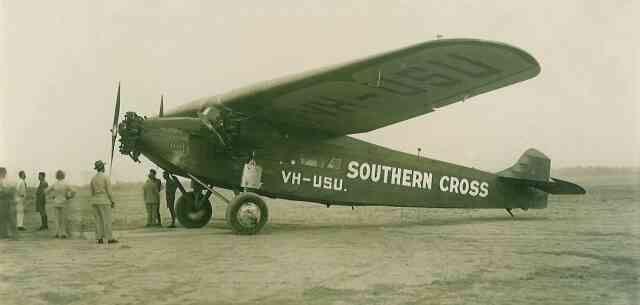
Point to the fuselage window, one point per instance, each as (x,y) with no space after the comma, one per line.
(334,163)
(309,162)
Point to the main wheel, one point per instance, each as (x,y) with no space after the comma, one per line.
(247,214)
(190,216)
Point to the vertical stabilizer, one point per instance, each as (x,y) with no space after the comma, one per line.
(532,165)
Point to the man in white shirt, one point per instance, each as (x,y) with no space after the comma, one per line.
(21,199)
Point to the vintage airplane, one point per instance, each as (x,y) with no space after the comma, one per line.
(288,138)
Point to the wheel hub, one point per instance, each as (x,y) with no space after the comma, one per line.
(196,215)
(248,215)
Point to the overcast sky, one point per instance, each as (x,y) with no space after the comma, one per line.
(61,61)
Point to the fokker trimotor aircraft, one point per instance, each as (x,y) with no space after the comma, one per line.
(288,138)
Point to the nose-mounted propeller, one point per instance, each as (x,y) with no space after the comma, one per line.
(130,130)
(114,127)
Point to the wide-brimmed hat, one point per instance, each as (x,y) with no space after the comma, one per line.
(98,165)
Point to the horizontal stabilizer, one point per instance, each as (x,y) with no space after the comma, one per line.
(554,186)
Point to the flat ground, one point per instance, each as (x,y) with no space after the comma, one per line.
(580,250)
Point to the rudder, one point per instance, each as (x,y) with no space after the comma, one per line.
(532,165)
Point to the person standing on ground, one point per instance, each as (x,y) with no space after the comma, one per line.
(151,193)
(7,207)
(157,206)
(197,191)
(21,199)
(102,202)
(41,201)
(170,193)
(4,206)
(61,193)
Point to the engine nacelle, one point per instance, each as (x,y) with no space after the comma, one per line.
(237,132)
(213,116)
(214,119)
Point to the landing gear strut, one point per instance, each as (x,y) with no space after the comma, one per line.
(246,214)
(509,211)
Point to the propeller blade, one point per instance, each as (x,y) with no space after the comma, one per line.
(114,128)
(161,105)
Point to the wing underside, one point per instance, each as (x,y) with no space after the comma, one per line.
(384,89)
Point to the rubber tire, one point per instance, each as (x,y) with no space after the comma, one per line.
(185,206)
(234,206)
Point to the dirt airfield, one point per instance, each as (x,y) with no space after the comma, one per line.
(580,250)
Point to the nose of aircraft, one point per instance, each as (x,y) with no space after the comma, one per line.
(167,142)
(131,130)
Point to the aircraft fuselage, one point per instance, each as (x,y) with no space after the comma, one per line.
(338,171)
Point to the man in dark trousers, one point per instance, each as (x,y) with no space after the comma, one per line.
(170,193)
(41,200)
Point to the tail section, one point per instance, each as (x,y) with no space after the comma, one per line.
(532,165)
(533,170)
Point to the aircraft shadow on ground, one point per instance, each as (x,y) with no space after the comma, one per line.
(276,228)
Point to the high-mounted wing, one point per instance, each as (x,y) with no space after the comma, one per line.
(384,89)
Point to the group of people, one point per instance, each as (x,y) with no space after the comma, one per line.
(13,198)
(151,193)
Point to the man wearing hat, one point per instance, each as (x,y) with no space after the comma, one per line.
(151,192)
(102,202)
